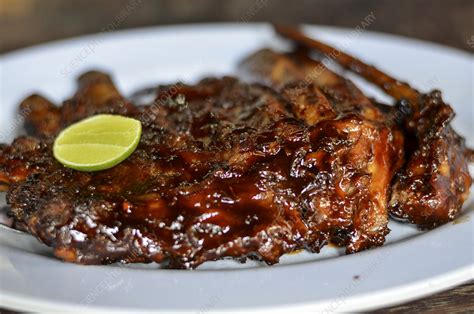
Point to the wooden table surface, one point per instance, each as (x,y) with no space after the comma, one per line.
(449,22)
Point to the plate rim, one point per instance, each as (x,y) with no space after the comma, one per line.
(458,276)
(52,44)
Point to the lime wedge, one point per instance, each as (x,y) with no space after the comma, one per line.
(97,143)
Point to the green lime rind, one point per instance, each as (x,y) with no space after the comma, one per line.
(97,143)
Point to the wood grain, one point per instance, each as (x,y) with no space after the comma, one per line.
(28,22)
(457,300)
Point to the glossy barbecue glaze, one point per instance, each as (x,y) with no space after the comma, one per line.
(232,169)
(434,182)
(223,169)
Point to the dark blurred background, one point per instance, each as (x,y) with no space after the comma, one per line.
(28,22)
(450,22)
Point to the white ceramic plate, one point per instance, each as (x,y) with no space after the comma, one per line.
(411,265)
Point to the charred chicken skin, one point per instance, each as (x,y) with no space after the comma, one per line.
(434,181)
(231,169)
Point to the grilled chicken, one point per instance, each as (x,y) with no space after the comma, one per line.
(225,168)
(434,181)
